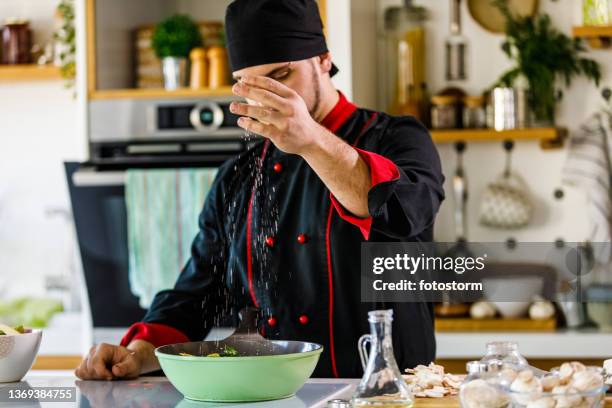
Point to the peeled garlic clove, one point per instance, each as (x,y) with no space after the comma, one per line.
(433,393)
(566,371)
(607,366)
(427,379)
(451,383)
(566,397)
(509,374)
(541,310)
(549,382)
(479,394)
(545,402)
(527,385)
(578,366)
(437,369)
(586,381)
(524,381)
(482,310)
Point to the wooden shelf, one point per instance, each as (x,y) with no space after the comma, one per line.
(494,325)
(597,36)
(28,72)
(548,137)
(56,362)
(159,93)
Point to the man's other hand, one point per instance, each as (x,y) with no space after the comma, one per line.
(107,362)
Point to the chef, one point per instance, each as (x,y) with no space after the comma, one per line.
(282,227)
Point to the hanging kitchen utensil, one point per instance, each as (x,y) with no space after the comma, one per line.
(460,249)
(456,46)
(460,196)
(261,369)
(491,19)
(505,202)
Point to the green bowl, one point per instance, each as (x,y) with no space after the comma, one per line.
(238,379)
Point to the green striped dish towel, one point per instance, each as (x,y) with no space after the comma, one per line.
(163,207)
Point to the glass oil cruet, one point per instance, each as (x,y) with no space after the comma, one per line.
(382,384)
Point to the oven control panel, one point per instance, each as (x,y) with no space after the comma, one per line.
(144,120)
(205,117)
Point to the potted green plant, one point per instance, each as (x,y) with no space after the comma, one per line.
(65,41)
(545,58)
(172,41)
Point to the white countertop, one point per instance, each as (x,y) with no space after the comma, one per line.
(157,392)
(558,344)
(65,336)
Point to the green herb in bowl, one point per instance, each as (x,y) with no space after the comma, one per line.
(6,330)
(228,351)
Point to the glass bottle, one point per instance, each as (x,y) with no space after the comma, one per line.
(456,46)
(444,112)
(505,353)
(484,386)
(382,384)
(402,61)
(473,112)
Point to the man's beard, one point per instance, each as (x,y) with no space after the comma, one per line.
(317,90)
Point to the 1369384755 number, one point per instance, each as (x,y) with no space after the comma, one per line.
(41,394)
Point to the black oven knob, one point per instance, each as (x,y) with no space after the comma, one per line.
(206,116)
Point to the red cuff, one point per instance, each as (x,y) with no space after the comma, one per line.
(155,333)
(381,171)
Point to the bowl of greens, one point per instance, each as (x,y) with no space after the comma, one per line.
(244,367)
(18,349)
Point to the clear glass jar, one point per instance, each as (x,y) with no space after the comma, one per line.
(402,53)
(382,384)
(473,112)
(444,112)
(505,353)
(484,386)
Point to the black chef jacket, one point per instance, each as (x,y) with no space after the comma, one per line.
(272,236)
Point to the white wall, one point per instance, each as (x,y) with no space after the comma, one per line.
(38,130)
(339,30)
(553,219)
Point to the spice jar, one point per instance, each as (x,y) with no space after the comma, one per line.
(484,386)
(505,353)
(199,68)
(218,71)
(473,112)
(16,42)
(444,112)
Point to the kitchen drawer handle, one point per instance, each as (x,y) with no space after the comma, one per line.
(88,178)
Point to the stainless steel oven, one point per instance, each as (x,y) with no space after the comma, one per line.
(126,134)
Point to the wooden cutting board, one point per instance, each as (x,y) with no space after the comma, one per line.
(494,325)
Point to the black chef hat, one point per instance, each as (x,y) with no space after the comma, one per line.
(267,31)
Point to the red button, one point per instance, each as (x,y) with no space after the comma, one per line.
(302,238)
(278,167)
(303,319)
(272,321)
(270,242)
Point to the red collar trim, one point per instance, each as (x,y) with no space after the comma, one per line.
(339,114)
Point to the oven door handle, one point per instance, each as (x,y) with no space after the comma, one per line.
(91,178)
